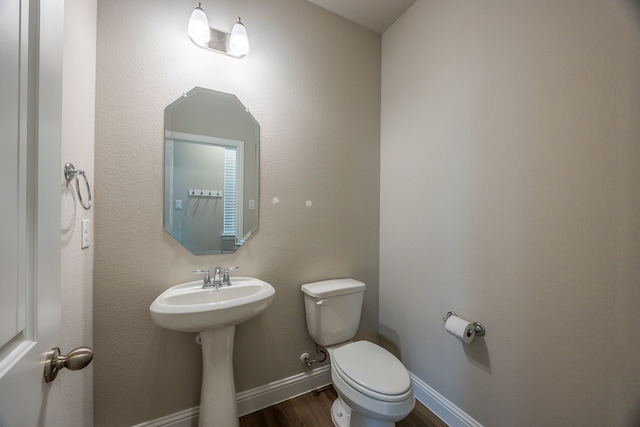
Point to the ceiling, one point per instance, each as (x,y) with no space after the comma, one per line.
(377,15)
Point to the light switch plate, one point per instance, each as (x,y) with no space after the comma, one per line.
(86,233)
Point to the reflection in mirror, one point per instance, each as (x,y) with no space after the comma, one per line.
(211,172)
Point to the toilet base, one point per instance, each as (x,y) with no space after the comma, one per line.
(340,413)
(343,416)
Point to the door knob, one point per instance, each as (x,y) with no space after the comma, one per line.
(76,359)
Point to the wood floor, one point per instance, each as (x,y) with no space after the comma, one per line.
(313,409)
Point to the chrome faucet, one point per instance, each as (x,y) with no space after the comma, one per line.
(225,278)
(217,281)
(219,278)
(206,282)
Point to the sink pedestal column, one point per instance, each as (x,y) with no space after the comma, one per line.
(218,407)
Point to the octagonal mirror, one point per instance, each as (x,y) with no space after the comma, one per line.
(211,172)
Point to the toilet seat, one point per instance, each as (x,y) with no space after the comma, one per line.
(372,371)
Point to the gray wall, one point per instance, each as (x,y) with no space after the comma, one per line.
(76,264)
(510,194)
(312,80)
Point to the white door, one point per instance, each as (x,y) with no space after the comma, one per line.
(30,171)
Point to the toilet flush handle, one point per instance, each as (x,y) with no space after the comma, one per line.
(322,301)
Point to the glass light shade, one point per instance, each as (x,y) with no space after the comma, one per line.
(239,42)
(199,26)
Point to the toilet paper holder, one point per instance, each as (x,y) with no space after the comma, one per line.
(480,329)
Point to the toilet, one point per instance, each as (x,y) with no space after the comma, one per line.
(374,388)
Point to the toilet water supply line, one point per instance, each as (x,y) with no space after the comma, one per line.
(304,357)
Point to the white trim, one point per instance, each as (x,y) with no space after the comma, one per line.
(184,418)
(278,391)
(255,399)
(204,139)
(440,406)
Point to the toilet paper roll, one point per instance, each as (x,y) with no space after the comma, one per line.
(461,328)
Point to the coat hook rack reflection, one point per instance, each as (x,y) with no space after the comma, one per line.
(69,173)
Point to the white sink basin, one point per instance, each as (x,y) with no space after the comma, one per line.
(190,308)
(214,313)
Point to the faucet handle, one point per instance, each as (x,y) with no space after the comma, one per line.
(225,280)
(207,278)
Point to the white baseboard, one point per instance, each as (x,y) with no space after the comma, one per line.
(186,418)
(278,391)
(255,399)
(439,405)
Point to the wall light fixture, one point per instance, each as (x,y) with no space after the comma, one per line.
(235,44)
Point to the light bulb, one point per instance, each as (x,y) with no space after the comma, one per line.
(199,26)
(239,42)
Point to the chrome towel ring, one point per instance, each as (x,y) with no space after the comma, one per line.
(69,173)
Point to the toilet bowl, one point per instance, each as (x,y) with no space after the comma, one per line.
(374,388)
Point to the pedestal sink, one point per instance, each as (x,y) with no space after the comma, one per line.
(214,313)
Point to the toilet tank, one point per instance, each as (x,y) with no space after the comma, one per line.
(333,309)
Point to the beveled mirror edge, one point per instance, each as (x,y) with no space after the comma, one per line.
(250,201)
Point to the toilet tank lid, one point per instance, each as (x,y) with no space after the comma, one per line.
(333,287)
